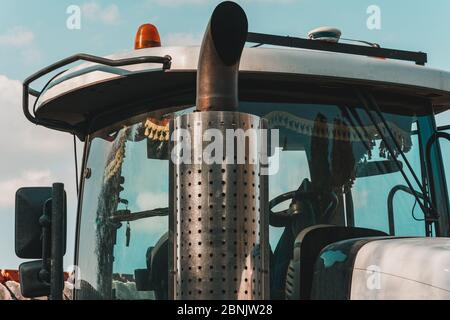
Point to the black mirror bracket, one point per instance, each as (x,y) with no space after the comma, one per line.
(46,223)
(58,225)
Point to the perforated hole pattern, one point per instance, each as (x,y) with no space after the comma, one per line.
(217,254)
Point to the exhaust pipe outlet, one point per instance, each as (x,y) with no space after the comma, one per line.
(220,55)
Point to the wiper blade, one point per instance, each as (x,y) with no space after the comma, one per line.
(427,211)
(127,215)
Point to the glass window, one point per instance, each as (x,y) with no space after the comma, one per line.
(371,194)
(443,119)
(337,149)
(445,151)
(125,209)
(332,155)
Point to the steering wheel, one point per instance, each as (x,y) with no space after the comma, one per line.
(283,218)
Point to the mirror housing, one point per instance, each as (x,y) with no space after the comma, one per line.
(30,206)
(28,230)
(33,281)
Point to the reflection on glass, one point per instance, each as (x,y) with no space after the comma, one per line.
(338,149)
(124,211)
(332,153)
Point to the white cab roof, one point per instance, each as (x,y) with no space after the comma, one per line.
(265,60)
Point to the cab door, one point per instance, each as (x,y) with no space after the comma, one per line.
(435,138)
(443,127)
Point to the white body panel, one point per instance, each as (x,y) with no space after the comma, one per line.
(414,268)
(268,60)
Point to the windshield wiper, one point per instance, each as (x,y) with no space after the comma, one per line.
(429,213)
(127,215)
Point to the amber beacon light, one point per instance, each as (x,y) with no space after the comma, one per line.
(147,37)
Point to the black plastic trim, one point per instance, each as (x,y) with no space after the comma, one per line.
(60,125)
(419,58)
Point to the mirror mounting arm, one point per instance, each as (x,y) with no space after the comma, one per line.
(57,241)
(46,222)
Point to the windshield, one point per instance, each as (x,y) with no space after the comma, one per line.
(327,148)
(337,149)
(128,180)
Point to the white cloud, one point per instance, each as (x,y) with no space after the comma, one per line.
(31,55)
(272,1)
(182,39)
(179,3)
(9,187)
(21,41)
(105,14)
(29,154)
(149,201)
(360,200)
(17,37)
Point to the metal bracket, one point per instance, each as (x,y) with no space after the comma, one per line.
(433,139)
(63,126)
(419,58)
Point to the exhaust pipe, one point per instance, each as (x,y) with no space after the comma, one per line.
(218,225)
(220,55)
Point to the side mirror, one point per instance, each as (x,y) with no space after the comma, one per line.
(33,281)
(30,208)
(40,233)
(376,168)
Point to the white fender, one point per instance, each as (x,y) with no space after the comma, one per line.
(402,269)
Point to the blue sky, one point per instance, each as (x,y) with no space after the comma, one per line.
(33,34)
(414,25)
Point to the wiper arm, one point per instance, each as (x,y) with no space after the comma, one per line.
(127,215)
(429,219)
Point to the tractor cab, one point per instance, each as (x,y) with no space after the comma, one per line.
(340,167)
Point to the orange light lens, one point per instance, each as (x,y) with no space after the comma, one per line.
(147,37)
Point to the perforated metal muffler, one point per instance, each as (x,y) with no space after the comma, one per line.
(219,225)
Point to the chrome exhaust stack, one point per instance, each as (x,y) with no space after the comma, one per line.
(219,225)
(220,55)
